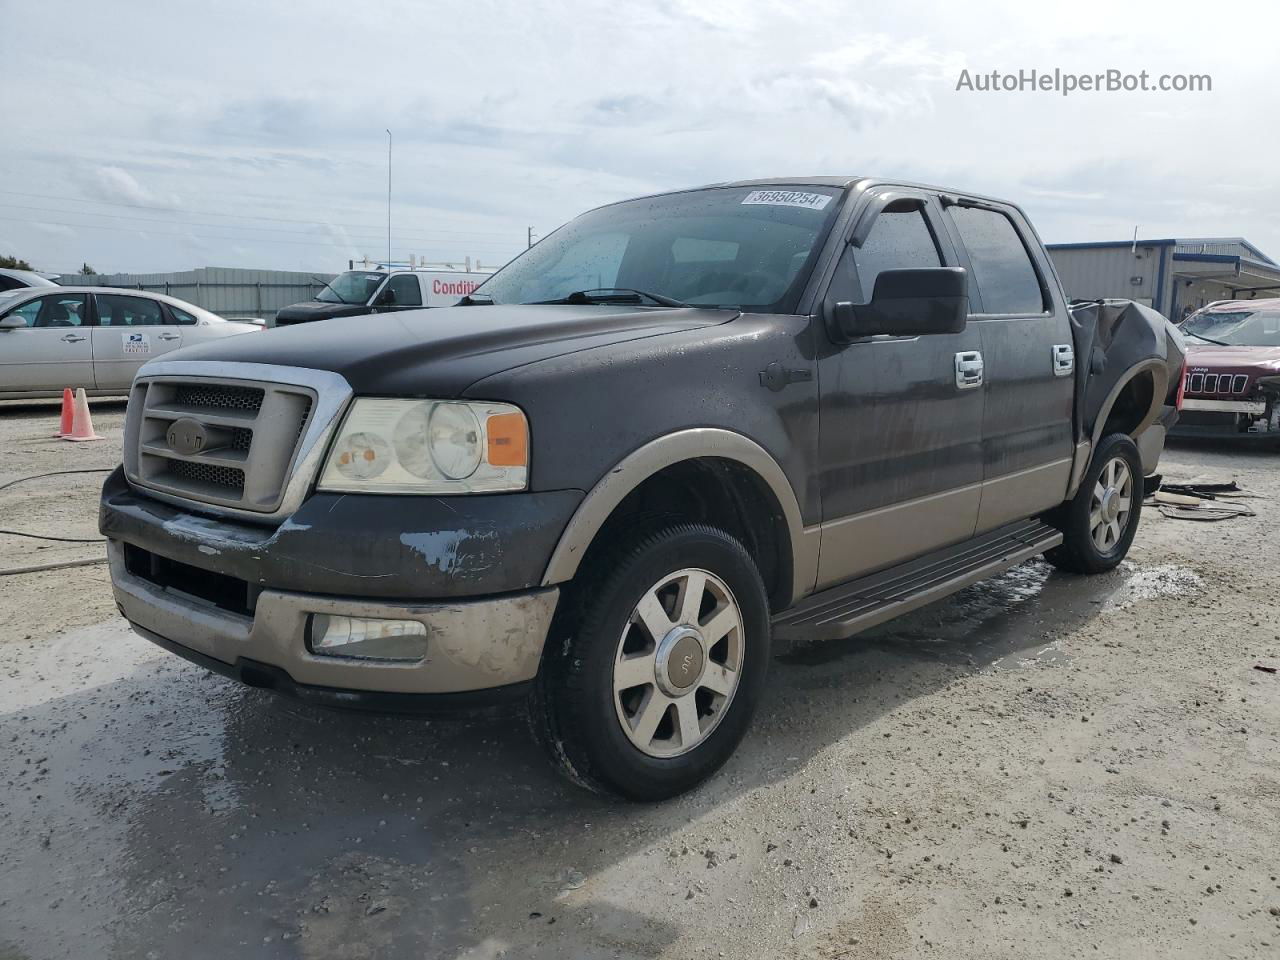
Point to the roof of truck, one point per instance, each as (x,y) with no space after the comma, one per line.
(840,183)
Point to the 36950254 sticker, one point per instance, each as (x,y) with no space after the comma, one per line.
(788,198)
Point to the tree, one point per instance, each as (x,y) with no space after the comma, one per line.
(13,263)
(87,271)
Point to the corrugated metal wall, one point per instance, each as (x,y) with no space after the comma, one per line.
(1091,273)
(227,291)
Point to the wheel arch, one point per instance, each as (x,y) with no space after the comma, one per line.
(1134,402)
(696,446)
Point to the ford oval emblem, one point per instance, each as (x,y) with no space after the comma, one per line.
(187,437)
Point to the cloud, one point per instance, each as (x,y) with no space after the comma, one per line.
(115,185)
(509,115)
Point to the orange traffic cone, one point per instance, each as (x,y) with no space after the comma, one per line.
(64,425)
(81,422)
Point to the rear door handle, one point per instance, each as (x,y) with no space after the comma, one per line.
(72,338)
(969,369)
(1064,359)
(170,336)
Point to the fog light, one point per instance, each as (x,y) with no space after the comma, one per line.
(367,638)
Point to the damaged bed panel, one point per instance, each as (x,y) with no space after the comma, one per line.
(1128,359)
(345,544)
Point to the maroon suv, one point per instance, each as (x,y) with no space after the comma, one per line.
(1233,368)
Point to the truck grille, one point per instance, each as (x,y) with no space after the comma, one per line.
(231,444)
(218,398)
(1214,384)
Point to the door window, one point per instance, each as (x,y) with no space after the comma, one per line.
(899,240)
(115,310)
(181,317)
(59,310)
(407,290)
(1002,269)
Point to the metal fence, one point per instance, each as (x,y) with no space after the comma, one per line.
(226,291)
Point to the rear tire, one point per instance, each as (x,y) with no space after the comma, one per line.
(1100,521)
(656,665)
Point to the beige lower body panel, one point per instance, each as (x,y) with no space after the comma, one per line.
(866,542)
(880,538)
(471,644)
(1023,494)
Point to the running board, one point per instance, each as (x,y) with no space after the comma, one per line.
(844,610)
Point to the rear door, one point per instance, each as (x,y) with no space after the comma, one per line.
(1028,360)
(53,350)
(130,331)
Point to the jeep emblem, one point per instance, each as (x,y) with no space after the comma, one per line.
(187,437)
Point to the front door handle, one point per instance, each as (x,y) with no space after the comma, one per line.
(170,336)
(969,369)
(73,338)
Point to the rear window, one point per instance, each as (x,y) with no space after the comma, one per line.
(1002,269)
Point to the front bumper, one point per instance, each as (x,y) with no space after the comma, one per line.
(240,597)
(1252,408)
(473,644)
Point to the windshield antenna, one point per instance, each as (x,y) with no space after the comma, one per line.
(388,203)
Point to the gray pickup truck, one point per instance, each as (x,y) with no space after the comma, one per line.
(677,431)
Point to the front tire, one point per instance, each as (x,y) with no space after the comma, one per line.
(660,661)
(1099,523)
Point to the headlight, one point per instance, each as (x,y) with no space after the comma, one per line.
(428,446)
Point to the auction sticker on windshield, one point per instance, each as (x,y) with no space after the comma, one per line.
(788,198)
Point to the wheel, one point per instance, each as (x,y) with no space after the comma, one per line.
(652,677)
(1099,523)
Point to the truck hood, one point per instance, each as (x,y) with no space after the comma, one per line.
(309,311)
(1209,355)
(443,351)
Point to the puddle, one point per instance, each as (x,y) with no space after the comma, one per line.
(1151,583)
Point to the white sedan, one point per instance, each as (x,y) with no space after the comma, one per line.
(94,337)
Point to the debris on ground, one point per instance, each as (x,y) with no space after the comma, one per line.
(1201,499)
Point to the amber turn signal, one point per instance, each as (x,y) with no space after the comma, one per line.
(508,440)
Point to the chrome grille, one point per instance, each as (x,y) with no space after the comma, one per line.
(1214,383)
(192,438)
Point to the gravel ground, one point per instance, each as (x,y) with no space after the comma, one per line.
(1039,766)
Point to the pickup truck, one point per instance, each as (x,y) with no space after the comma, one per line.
(678,431)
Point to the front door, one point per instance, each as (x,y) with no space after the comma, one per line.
(52,351)
(130,331)
(901,418)
(1027,435)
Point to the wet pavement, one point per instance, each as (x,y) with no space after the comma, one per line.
(150,809)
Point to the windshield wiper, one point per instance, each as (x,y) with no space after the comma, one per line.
(616,295)
(1216,343)
(476,300)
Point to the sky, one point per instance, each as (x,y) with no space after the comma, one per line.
(148,136)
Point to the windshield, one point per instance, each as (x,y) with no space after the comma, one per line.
(720,247)
(1236,328)
(354,286)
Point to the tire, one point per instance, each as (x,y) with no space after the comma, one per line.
(695,688)
(1092,543)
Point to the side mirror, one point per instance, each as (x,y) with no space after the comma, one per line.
(386,298)
(12,323)
(907,303)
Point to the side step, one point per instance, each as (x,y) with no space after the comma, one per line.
(844,610)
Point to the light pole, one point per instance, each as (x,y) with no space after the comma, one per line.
(388,203)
